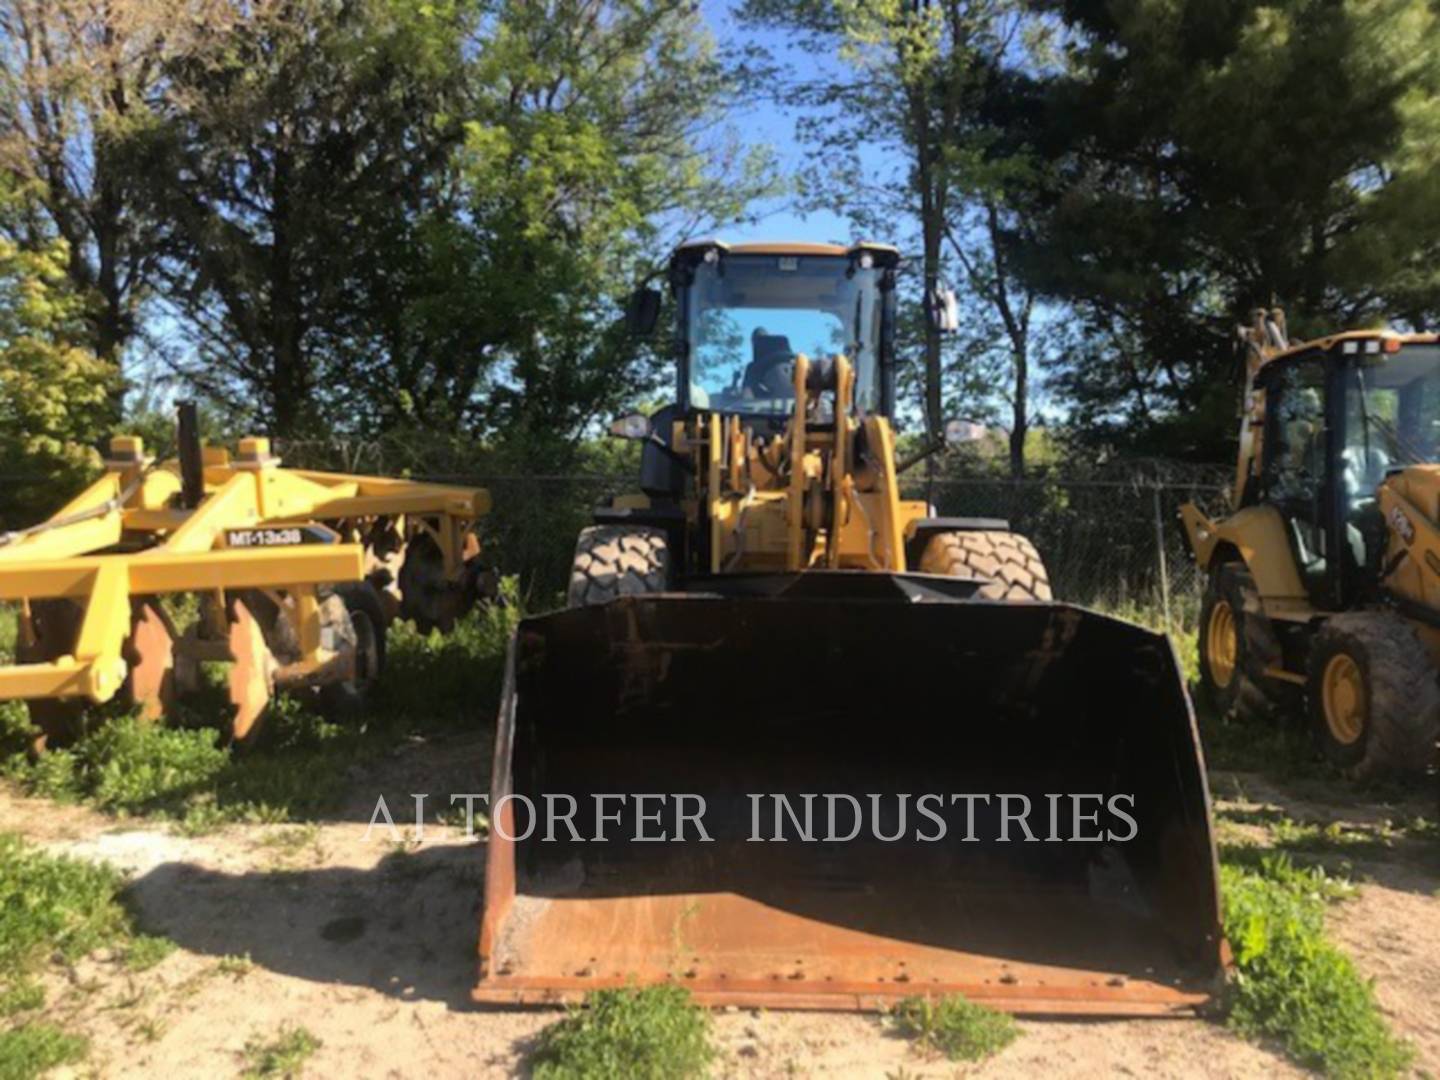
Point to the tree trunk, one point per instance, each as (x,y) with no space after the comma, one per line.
(932,229)
(289,384)
(1020,421)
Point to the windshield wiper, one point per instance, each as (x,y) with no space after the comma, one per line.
(1408,452)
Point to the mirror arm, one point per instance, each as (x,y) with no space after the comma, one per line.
(920,455)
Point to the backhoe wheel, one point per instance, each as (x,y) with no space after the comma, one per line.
(1007,561)
(1236,643)
(1373,695)
(618,560)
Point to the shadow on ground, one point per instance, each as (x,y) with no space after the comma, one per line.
(406,926)
(1366,835)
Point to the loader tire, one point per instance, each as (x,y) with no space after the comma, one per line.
(1374,700)
(1007,561)
(617,560)
(1236,645)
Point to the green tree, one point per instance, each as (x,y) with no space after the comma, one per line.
(390,217)
(54,392)
(915,89)
(294,150)
(74,80)
(1211,156)
(597,143)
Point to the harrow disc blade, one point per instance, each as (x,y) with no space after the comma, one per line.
(150,654)
(252,673)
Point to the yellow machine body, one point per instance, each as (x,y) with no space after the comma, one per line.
(129,538)
(841,509)
(770,617)
(1324,581)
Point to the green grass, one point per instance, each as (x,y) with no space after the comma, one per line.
(654,1033)
(32,1050)
(1292,984)
(1278,747)
(432,683)
(21,996)
(961,1030)
(283,1056)
(54,908)
(1334,845)
(146,950)
(237,966)
(1184,614)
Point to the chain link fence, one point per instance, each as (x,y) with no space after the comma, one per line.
(1114,543)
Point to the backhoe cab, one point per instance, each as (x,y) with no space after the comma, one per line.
(768,621)
(1324,585)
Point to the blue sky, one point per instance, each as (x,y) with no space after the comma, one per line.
(764,122)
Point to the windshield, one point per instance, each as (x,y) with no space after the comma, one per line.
(749,316)
(1392,413)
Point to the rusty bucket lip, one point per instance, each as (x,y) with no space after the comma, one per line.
(1100,1002)
(1133,997)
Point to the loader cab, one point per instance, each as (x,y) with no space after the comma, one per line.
(744,312)
(1340,416)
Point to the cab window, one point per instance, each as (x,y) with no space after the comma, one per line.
(1294,472)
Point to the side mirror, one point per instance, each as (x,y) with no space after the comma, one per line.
(642,312)
(632,426)
(959,432)
(943,310)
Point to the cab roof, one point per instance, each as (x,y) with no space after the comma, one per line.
(1391,341)
(783,247)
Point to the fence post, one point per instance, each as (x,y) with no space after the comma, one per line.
(1160,555)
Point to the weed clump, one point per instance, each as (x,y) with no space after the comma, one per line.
(961,1030)
(32,1050)
(54,907)
(655,1033)
(126,766)
(1295,986)
(284,1056)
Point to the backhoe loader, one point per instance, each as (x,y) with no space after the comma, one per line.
(1324,584)
(835,707)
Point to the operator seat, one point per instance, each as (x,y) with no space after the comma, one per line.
(771,373)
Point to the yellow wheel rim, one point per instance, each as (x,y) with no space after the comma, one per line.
(1221,645)
(1343,697)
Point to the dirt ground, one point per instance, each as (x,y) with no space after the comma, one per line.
(370,946)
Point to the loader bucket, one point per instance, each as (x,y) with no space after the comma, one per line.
(862,690)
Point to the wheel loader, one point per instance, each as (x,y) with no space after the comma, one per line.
(781,668)
(1323,592)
